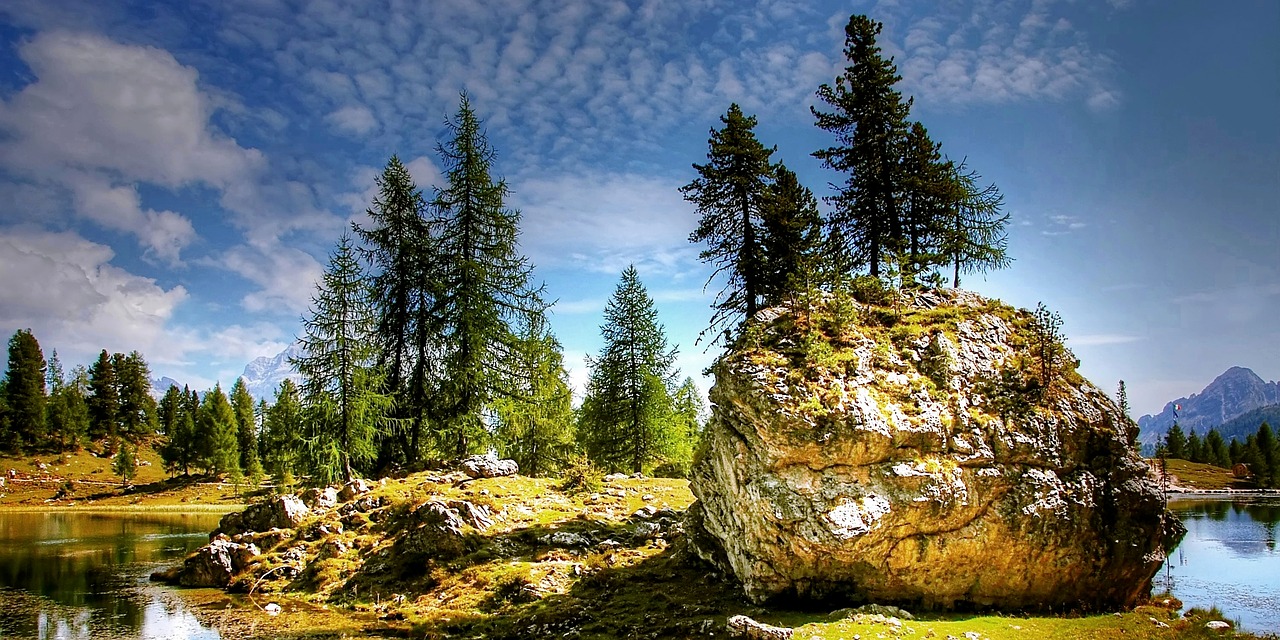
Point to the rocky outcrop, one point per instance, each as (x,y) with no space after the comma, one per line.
(903,455)
(489,466)
(280,512)
(213,565)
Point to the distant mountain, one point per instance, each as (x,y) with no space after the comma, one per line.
(1246,424)
(161,385)
(263,376)
(1231,395)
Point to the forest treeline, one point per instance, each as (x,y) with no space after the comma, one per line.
(428,337)
(1260,452)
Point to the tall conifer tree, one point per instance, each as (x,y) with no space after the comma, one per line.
(484,283)
(341,390)
(625,418)
(868,119)
(246,429)
(792,237)
(729,193)
(535,427)
(216,434)
(104,401)
(24,390)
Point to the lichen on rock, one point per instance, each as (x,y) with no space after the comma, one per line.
(909,455)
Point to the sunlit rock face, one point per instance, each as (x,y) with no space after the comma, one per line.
(895,454)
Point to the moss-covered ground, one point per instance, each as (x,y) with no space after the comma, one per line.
(510,583)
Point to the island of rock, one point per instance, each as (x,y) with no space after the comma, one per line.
(915,452)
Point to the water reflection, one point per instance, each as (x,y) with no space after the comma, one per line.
(1228,559)
(78,575)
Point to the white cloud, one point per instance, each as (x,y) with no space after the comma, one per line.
(1101,339)
(357,119)
(66,289)
(604,222)
(286,277)
(119,207)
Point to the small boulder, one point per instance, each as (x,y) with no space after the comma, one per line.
(320,499)
(354,489)
(564,540)
(744,627)
(213,565)
(439,534)
(1217,625)
(489,466)
(280,512)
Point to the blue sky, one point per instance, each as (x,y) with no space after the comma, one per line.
(173,174)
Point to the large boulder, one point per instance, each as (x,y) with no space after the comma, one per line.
(213,565)
(489,466)
(904,454)
(280,512)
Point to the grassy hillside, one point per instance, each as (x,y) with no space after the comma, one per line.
(1202,477)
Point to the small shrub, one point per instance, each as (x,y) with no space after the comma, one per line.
(581,476)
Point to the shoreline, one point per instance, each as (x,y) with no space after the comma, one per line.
(1225,493)
(125,508)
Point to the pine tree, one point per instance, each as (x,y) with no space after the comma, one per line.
(104,403)
(535,427)
(216,434)
(972,233)
(484,283)
(25,393)
(124,464)
(343,405)
(67,410)
(1046,345)
(1129,427)
(169,415)
(792,238)
(1218,454)
(1194,448)
(625,418)
(869,122)
(1268,472)
(402,251)
(729,193)
(282,433)
(927,191)
(136,410)
(1175,442)
(246,429)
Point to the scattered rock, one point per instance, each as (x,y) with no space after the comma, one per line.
(272,609)
(614,477)
(564,540)
(354,489)
(439,534)
(744,627)
(1217,625)
(1158,623)
(489,466)
(645,531)
(913,470)
(320,499)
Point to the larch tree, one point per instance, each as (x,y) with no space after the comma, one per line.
(729,193)
(972,234)
(868,119)
(246,429)
(625,419)
(400,250)
(484,284)
(342,398)
(24,391)
(535,426)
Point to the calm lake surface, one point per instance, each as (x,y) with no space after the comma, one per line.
(1228,559)
(73,575)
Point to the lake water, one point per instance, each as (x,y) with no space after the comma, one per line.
(1228,559)
(66,575)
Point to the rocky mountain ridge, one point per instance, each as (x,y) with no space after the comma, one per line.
(1234,393)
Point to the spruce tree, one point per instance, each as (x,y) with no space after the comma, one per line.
(282,433)
(1194,448)
(1216,449)
(625,420)
(1268,473)
(68,410)
(535,426)
(246,429)
(1046,346)
(868,119)
(729,193)
(343,403)
(927,191)
(169,417)
(792,238)
(216,434)
(401,252)
(104,401)
(124,464)
(25,393)
(484,283)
